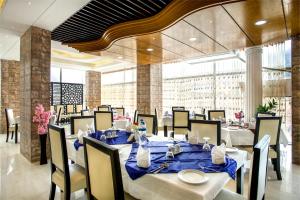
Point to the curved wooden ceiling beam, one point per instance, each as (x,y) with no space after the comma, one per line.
(175,11)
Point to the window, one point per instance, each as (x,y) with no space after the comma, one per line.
(277,79)
(73,76)
(205,85)
(119,89)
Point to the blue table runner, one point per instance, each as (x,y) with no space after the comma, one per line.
(192,157)
(121,139)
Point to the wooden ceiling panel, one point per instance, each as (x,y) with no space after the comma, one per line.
(292,14)
(246,13)
(183,31)
(218,25)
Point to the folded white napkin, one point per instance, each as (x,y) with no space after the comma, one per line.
(80,135)
(130,138)
(143,157)
(218,154)
(91,127)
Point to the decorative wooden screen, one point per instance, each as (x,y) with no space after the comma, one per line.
(66,93)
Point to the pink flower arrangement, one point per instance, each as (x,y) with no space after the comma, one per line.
(239,115)
(41,117)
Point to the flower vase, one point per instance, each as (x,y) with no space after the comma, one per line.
(43,151)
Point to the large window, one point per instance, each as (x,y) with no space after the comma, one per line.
(119,89)
(205,85)
(277,78)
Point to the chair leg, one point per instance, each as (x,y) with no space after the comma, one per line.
(7,135)
(12,135)
(278,172)
(67,195)
(52,191)
(172,134)
(274,162)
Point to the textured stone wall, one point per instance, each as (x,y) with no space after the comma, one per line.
(93,89)
(156,88)
(149,88)
(296,100)
(35,79)
(143,80)
(10,89)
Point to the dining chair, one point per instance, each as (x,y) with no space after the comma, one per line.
(156,121)
(103,170)
(270,126)
(103,120)
(265,114)
(150,123)
(206,128)
(136,112)
(257,175)
(85,113)
(82,123)
(70,109)
(61,108)
(119,110)
(216,114)
(11,124)
(58,115)
(69,178)
(103,108)
(200,117)
(52,109)
(180,122)
(178,108)
(78,108)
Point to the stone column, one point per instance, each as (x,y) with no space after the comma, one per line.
(143,88)
(93,89)
(149,88)
(35,54)
(10,89)
(253,80)
(296,100)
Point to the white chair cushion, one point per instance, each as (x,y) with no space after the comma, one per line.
(228,195)
(77,178)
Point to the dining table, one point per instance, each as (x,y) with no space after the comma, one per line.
(167,186)
(232,135)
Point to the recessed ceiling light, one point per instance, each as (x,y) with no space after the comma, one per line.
(150,49)
(260,22)
(210,21)
(192,39)
(120,57)
(29,3)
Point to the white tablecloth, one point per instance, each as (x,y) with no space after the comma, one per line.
(245,136)
(163,186)
(121,123)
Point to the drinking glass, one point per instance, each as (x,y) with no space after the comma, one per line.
(103,138)
(206,146)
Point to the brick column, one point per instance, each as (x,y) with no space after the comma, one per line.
(10,89)
(296,100)
(93,89)
(35,80)
(149,88)
(143,88)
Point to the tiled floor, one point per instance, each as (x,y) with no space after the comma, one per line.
(21,180)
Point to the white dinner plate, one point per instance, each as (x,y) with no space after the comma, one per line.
(192,176)
(231,149)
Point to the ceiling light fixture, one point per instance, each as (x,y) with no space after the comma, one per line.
(120,57)
(192,39)
(29,3)
(260,22)
(150,49)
